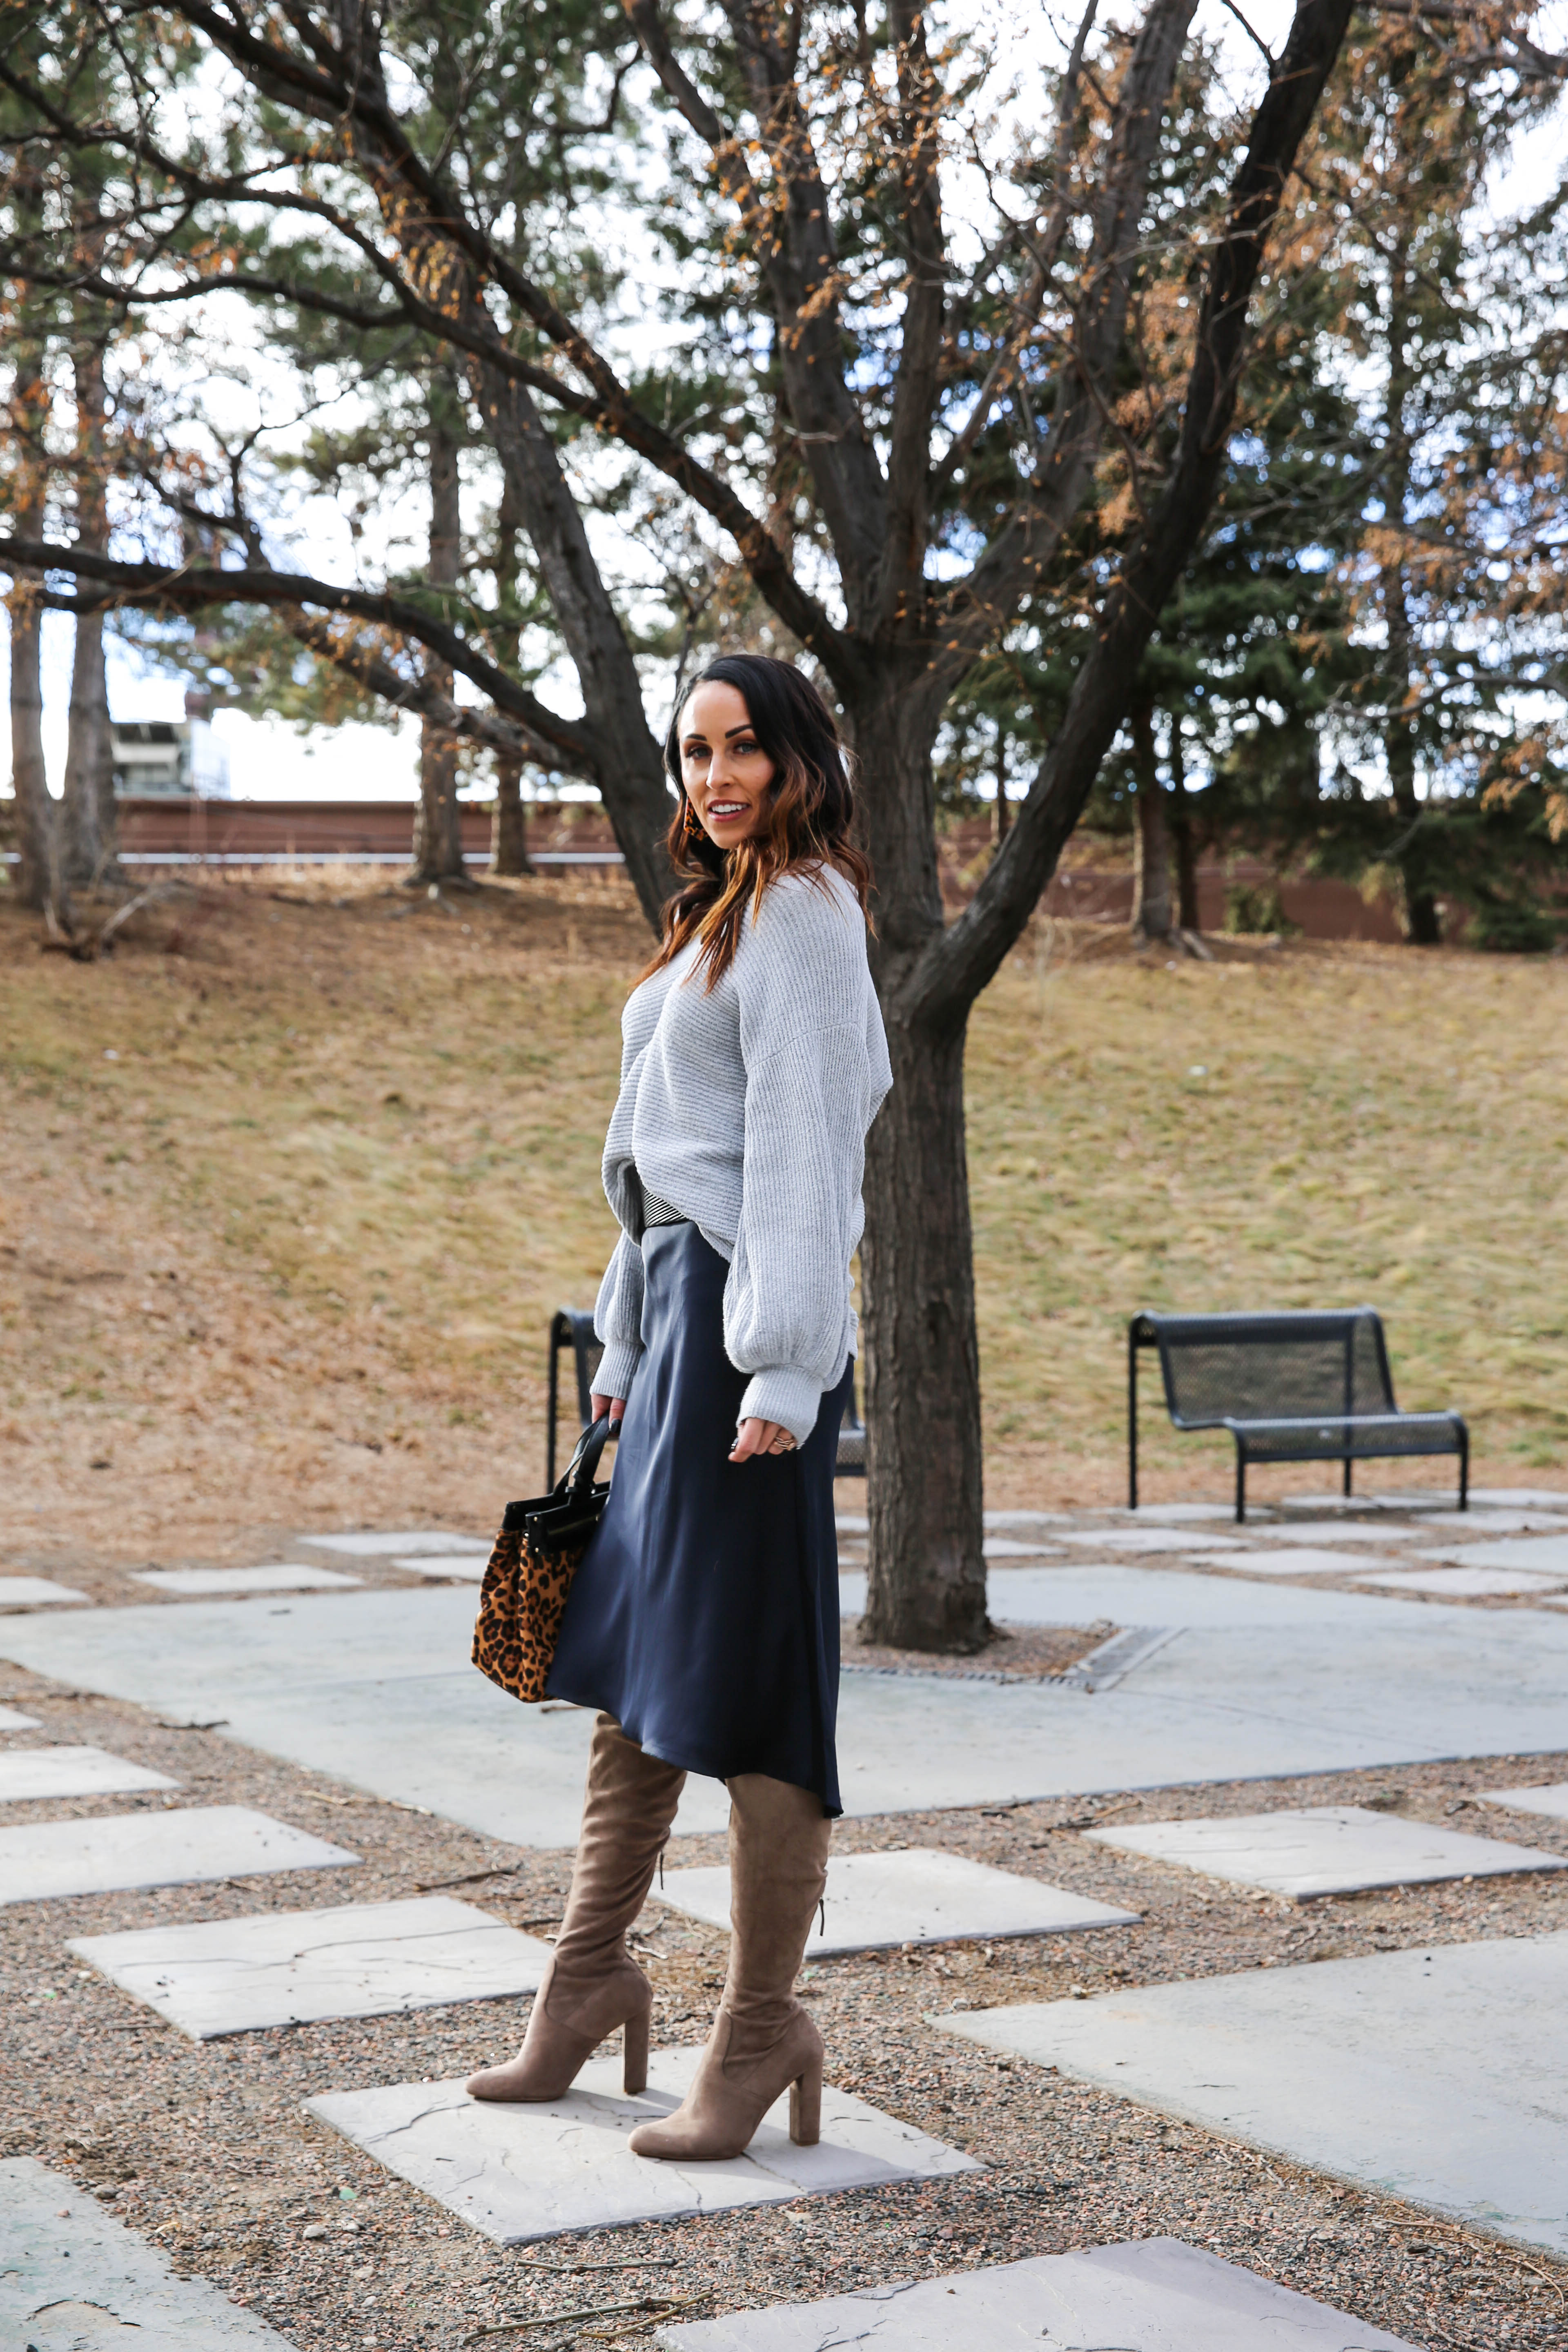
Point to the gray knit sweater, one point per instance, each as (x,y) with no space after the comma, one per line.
(746,1110)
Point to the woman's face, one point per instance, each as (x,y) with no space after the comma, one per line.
(724,769)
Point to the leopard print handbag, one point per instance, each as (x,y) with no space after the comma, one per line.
(531,1569)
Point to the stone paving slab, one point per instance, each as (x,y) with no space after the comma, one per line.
(182,1848)
(1325,1849)
(1338,1531)
(877,1902)
(291,1967)
(1036,1520)
(29,1772)
(1440,2076)
(467,1566)
(199,1583)
(12,1720)
(1147,1536)
(1294,1560)
(1548,1497)
(518,2172)
(1151,2294)
(1463,1584)
(35,1593)
(412,1539)
(1262,1678)
(74,2279)
(1018,1548)
(1544,1555)
(1550,1799)
(1484,1520)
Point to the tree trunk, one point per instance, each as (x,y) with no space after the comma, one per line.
(437,827)
(509,826)
(927,1572)
(38,879)
(1152,847)
(923,1464)
(1003,806)
(1181,834)
(1422,928)
(89,814)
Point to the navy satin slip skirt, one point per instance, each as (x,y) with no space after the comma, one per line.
(704,1616)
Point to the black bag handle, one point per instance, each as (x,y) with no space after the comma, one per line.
(577,1480)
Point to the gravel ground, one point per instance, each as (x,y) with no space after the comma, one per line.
(206,2150)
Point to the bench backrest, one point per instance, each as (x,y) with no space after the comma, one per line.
(1270,1367)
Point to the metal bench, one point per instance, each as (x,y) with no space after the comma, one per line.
(1289,1388)
(571,1327)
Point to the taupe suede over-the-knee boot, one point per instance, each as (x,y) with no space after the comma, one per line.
(762,2042)
(592,1984)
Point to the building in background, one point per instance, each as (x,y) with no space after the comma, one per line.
(171,758)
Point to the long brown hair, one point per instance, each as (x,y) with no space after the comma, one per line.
(810,807)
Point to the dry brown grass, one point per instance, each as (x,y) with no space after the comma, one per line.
(286,1260)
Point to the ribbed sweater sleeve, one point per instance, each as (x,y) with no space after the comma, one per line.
(617,1320)
(807,1051)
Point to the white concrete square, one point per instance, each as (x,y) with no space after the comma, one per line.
(1338,1531)
(468,1567)
(1159,1514)
(35,1593)
(850,1524)
(289,1967)
(1264,1677)
(412,1539)
(1552,1800)
(1149,2295)
(516,2172)
(182,1848)
(1292,1559)
(1147,1537)
(1440,2075)
(199,1583)
(1461,1583)
(1548,1497)
(73,2279)
(1544,1556)
(10,1720)
(876,1902)
(27,1773)
(1324,1850)
(1484,1521)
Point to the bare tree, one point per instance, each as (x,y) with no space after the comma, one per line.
(932,468)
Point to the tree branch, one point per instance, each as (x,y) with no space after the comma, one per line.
(187,588)
(958,963)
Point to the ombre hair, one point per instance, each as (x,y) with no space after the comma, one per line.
(809,806)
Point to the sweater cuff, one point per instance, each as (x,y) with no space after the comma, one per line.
(791,1398)
(618,1368)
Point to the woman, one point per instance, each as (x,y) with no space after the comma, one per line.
(703,1622)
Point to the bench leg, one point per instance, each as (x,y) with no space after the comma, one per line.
(1464,1470)
(1240,1486)
(1347,1474)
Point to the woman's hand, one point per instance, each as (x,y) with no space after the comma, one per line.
(761,1437)
(600,1405)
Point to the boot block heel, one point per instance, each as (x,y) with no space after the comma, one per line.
(633,2057)
(806,2107)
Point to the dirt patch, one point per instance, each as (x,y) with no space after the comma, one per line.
(1015,1653)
